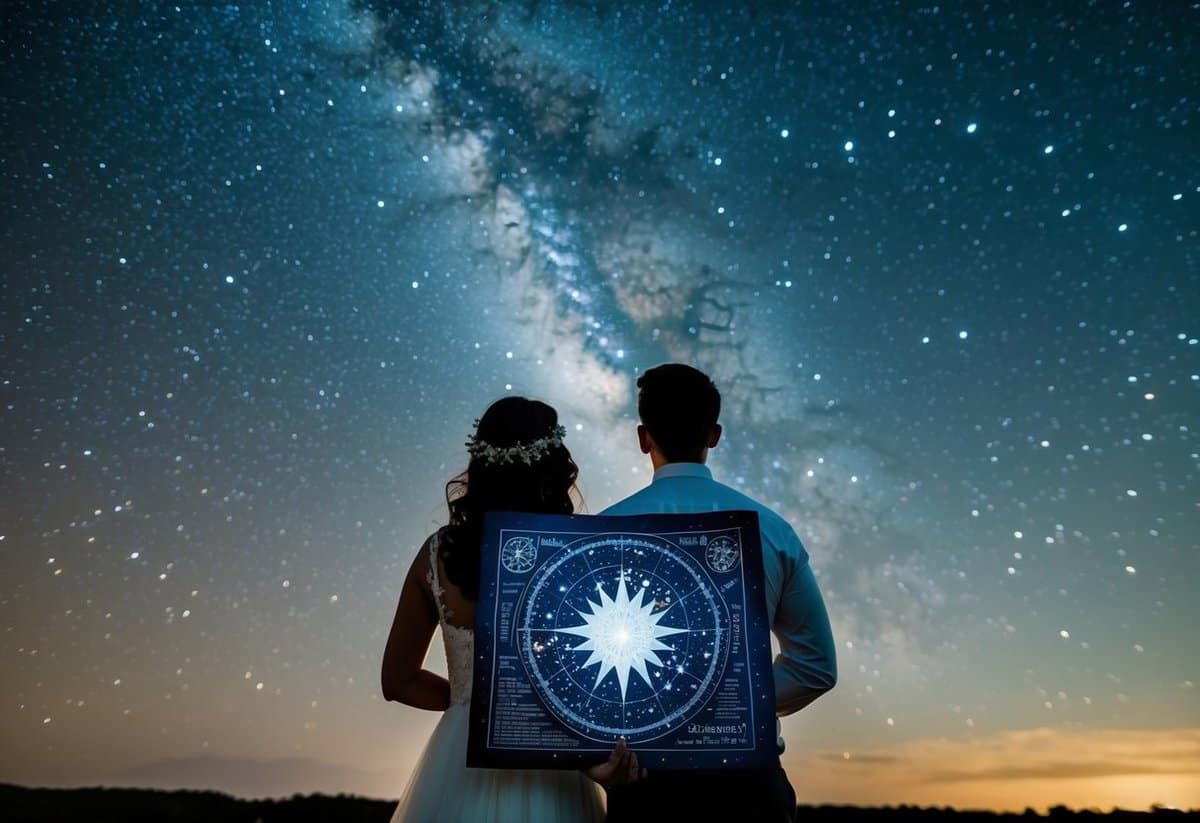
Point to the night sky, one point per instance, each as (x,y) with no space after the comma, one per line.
(262,265)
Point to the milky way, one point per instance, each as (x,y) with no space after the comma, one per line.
(264,264)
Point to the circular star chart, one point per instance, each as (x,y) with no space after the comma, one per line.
(623,635)
(722,554)
(518,554)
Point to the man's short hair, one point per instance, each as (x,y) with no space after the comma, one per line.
(679,405)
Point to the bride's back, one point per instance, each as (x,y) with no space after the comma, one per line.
(458,610)
(456,616)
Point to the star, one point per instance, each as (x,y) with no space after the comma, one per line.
(622,635)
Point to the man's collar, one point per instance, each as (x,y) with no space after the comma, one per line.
(681,470)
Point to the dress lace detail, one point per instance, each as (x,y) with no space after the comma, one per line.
(459,642)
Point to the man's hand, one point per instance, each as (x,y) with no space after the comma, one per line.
(620,768)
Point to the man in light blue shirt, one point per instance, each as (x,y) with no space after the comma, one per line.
(679,406)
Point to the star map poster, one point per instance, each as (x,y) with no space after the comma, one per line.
(648,627)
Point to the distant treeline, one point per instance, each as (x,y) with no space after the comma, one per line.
(19,804)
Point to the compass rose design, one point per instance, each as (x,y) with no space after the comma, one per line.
(622,634)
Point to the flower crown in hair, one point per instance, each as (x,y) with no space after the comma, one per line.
(527,453)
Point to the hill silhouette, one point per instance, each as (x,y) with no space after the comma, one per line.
(20,804)
(245,777)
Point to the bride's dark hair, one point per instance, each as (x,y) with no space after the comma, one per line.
(545,485)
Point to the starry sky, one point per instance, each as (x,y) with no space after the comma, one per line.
(263,264)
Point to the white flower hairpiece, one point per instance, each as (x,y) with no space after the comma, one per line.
(526,453)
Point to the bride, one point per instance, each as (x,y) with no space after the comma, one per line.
(518,463)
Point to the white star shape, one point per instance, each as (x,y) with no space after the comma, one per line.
(622,635)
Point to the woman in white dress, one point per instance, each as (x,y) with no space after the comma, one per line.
(518,463)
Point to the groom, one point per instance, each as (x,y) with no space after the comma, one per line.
(678,406)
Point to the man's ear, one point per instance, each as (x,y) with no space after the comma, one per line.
(644,439)
(714,436)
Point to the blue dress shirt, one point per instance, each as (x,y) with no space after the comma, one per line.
(806,666)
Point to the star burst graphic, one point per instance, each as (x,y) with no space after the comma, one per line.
(622,635)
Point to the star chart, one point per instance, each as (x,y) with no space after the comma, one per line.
(647,627)
(623,635)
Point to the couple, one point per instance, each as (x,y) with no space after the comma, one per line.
(519,463)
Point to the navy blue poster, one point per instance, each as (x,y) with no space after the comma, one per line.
(650,627)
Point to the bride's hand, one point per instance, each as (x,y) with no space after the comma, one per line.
(620,768)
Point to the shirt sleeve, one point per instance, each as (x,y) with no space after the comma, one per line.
(806,666)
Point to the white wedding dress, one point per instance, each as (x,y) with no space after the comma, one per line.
(444,790)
